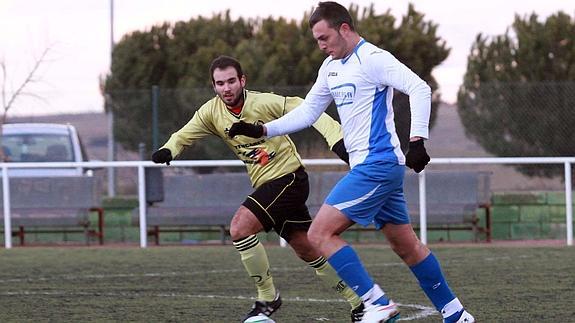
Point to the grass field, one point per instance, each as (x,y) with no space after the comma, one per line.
(208,284)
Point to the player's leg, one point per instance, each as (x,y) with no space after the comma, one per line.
(284,201)
(357,198)
(252,217)
(243,229)
(325,230)
(419,258)
(304,250)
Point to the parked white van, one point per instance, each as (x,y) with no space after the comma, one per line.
(43,142)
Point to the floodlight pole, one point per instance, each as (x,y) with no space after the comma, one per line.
(110,115)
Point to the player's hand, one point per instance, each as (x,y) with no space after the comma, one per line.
(161,156)
(416,157)
(246,129)
(340,151)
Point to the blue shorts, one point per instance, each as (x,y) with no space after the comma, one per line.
(372,193)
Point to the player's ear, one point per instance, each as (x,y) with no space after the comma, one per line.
(345,30)
(243,81)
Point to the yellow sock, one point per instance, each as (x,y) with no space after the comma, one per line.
(326,273)
(256,262)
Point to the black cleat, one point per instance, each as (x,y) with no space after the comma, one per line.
(265,308)
(357,313)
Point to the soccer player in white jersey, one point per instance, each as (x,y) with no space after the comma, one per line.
(361,78)
(277,173)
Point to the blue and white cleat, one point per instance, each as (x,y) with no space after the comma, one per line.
(466,318)
(375,313)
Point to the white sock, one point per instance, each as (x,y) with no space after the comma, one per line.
(373,294)
(451,308)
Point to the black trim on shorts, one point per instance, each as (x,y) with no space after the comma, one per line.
(280,204)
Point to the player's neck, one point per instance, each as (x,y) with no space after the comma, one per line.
(353,40)
(237,108)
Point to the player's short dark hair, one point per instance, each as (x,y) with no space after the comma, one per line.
(223,62)
(333,13)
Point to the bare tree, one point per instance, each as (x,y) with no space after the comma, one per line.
(8,98)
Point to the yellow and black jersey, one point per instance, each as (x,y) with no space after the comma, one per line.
(265,158)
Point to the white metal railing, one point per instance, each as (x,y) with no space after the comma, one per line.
(141,165)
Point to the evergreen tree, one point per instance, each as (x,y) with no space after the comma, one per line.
(517,97)
(277,55)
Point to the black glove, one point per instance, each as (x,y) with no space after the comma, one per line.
(339,149)
(416,157)
(161,156)
(246,129)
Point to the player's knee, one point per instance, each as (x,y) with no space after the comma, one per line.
(236,233)
(315,237)
(401,250)
(306,252)
(243,225)
(241,230)
(410,252)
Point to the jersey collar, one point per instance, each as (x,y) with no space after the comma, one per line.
(345,59)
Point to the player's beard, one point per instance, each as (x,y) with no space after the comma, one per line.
(237,101)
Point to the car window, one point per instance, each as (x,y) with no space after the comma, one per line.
(37,148)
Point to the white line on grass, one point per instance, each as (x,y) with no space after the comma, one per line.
(213,271)
(497,258)
(422,311)
(166,274)
(102,276)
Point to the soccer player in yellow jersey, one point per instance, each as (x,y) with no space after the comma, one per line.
(276,171)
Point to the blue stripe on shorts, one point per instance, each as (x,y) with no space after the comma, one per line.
(372,193)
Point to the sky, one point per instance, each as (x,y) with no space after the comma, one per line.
(78,36)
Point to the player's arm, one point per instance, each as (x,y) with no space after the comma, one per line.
(308,112)
(385,69)
(195,129)
(315,103)
(327,127)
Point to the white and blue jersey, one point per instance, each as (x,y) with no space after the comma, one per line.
(362,85)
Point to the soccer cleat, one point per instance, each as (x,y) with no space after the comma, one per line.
(265,308)
(466,318)
(259,319)
(376,313)
(357,313)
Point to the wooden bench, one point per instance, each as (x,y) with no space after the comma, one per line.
(207,202)
(55,205)
(194,203)
(452,199)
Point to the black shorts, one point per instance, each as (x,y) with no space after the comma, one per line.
(280,204)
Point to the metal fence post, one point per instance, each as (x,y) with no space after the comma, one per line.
(569,203)
(142,206)
(422,208)
(7,215)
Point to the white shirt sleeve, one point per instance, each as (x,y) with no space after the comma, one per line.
(303,116)
(383,68)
